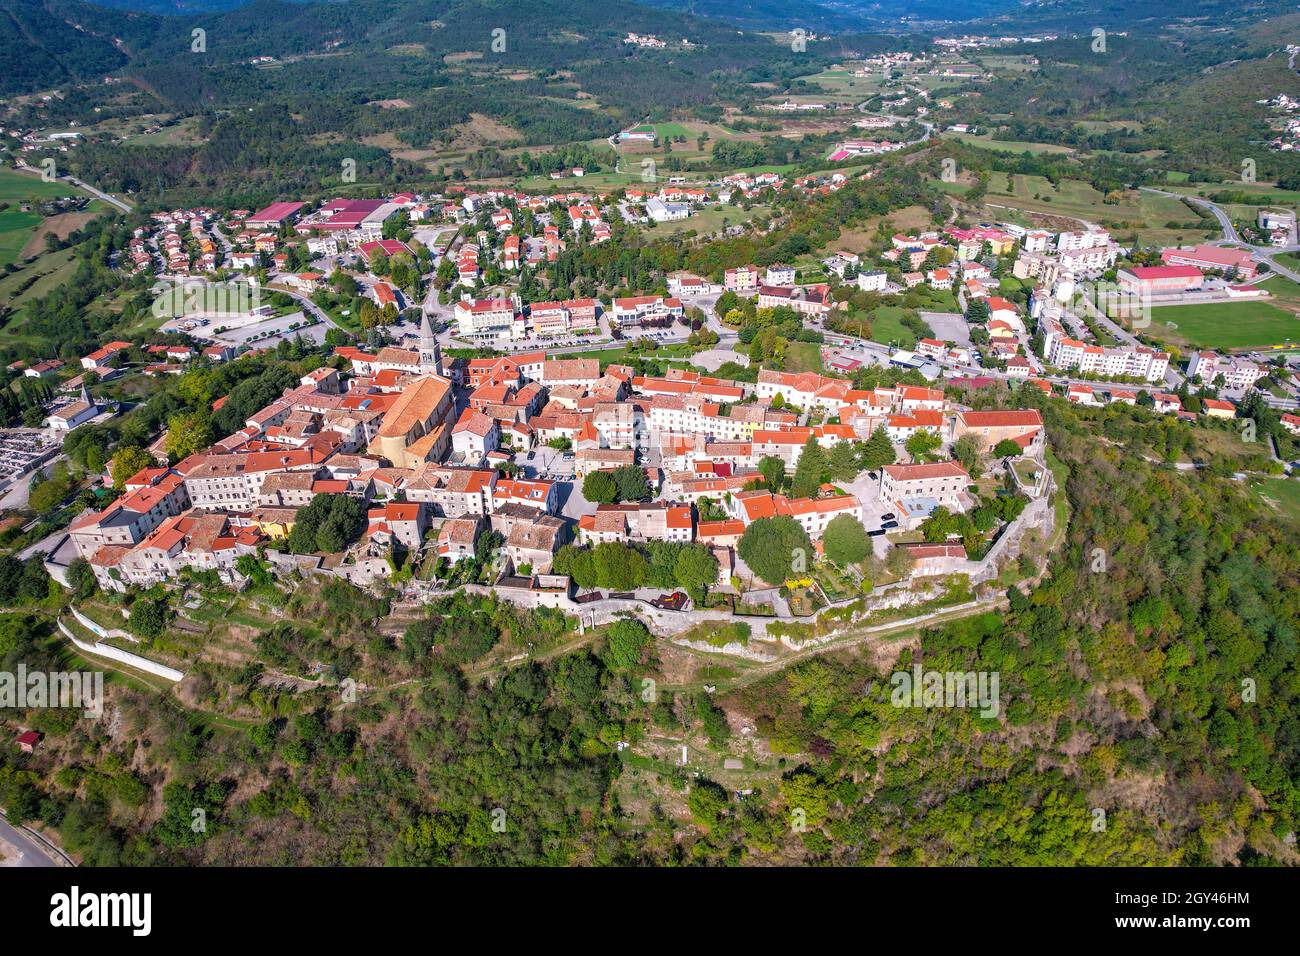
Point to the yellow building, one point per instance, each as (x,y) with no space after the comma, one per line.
(275,523)
(418,426)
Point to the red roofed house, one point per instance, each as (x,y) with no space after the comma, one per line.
(1024,426)
(944,481)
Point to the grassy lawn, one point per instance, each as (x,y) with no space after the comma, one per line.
(1280,494)
(887,326)
(712,219)
(1224,325)
(1285,293)
(803,357)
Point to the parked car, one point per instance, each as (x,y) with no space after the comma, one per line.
(888,516)
(889,524)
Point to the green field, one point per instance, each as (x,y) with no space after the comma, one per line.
(1281,494)
(16,186)
(985,141)
(16,228)
(886,327)
(1224,325)
(803,357)
(709,220)
(17,225)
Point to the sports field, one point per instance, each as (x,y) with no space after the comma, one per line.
(1224,325)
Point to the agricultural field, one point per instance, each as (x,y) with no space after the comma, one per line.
(18,225)
(1008,62)
(17,186)
(37,278)
(16,228)
(1224,325)
(986,141)
(843,83)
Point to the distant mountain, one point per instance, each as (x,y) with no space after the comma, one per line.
(770,14)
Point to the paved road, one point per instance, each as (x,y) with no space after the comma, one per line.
(98,194)
(1230,236)
(29,851)
(312,308)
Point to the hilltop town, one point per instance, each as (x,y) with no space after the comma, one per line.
(596,434)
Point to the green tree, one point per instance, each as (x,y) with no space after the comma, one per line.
(187,433)
(129,460)
(627,639)
(1006,449)
(878,451)
(695,568)
(600,487)
(773,471)
(148,617)
(846,541)
(842,463)
(619,567)
(810,472)
(776,548)
(922,443)
(81,577)
(632,483)
(966,450)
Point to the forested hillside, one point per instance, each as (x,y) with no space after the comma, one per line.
(1149,715)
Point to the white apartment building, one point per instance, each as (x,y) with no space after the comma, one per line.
(487,320)
(1239,374)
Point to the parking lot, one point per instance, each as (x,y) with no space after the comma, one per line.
(268,331)
(949,326)
(545,462)
(867,490)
